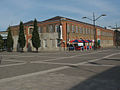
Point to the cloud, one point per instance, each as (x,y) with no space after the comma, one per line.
(104,5)
(12,11)
(66,8)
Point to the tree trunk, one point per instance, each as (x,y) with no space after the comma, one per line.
(37,50)
(21,49)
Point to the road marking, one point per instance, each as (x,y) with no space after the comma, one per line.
(11,65)
(73,56)
(95,59)
(14,60)
(67,64)
(17,56)
(48,71)
(33,74)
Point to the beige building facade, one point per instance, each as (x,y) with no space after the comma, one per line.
(55,34)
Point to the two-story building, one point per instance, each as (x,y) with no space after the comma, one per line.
(56,32)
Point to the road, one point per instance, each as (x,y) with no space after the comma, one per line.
(75,70)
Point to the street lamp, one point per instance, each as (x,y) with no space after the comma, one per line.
(94,19)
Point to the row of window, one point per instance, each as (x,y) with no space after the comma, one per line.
(106,33)
(79,29)
(55,28)
(70,28)
(53,43)
(49,28)
(107,41)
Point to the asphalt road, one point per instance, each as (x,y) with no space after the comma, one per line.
(75,70)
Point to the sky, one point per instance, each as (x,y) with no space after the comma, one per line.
(14,11)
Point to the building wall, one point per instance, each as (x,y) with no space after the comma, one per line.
(84,31)
(50,38)
(117,38)
(71,29)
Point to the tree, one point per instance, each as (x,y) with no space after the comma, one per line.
(1,42)
(9,41)
(21,38)
(35,36)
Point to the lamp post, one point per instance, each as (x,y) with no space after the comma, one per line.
(59,35)
(94,19)
(68,40)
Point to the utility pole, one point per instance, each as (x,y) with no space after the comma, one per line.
(94,19)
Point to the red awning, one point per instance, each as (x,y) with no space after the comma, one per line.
(76,41)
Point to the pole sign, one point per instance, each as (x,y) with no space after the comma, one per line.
(61,37)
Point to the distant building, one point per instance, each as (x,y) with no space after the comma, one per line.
(118,28)
(55,33)
(117,37)
(4,34)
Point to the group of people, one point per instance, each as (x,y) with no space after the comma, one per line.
(77,47)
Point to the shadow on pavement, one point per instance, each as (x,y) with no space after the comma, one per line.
(111,59)
(107,80)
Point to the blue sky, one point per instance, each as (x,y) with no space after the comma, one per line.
(12,11)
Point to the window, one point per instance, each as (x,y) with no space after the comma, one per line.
(76,29)
(30,30)
(56,28)
(39,29)
(47,28)
(98,32)
(92,31)
(84,30)
(68,28)
(51,29)
(45,43)
(81,29)
(89,31)
(52,43)
(73,28)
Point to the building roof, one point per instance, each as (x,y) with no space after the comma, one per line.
(57,18)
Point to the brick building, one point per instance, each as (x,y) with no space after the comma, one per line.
(56,32)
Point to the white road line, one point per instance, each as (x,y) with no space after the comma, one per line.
(70,64)
(73,56)
(17,56)
(33,74)
(67,64)
(96,59)
(81,63)
(13,60)
(11,64)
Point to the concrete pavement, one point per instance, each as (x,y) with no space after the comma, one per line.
(91,70)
